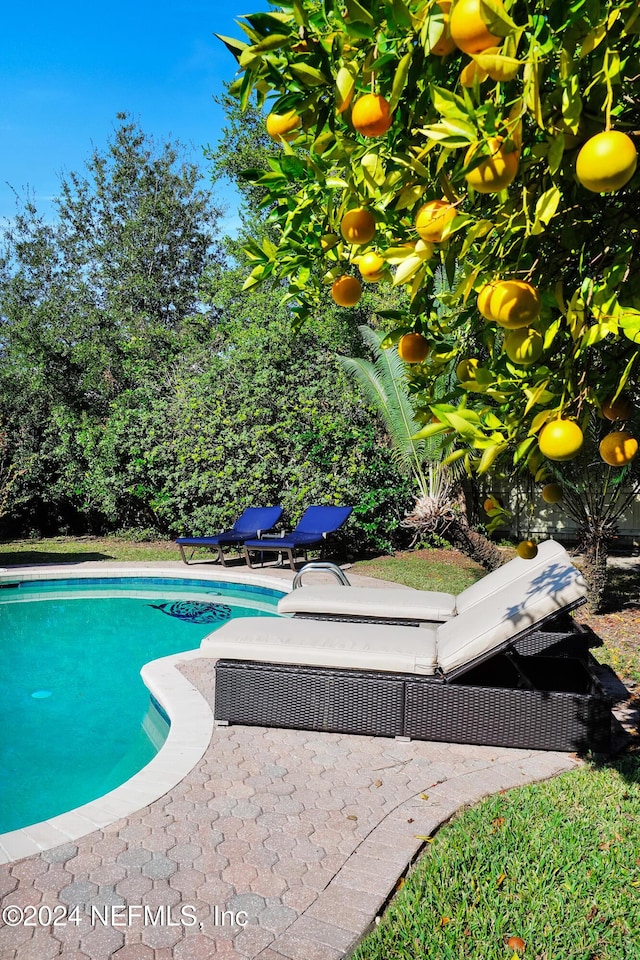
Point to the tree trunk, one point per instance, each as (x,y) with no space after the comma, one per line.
(474,544)
(594,567)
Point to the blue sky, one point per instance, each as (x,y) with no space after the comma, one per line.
(67,69)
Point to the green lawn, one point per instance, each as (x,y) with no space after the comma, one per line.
(556,864)
(68,550)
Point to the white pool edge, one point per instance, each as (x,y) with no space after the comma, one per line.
(190,730)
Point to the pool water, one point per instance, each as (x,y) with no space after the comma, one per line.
(75,716)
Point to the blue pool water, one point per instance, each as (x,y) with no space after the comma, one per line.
(75,716)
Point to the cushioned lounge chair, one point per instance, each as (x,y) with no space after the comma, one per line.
(464,680)
(408,606)
(315,526)
(250,525)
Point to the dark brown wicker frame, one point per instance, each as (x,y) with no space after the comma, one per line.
(536,702)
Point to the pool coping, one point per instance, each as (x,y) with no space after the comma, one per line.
(191,719)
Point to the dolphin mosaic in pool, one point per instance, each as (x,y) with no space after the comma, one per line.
(195,611)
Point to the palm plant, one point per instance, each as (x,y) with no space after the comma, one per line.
(439,510)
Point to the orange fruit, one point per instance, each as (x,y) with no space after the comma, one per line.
(466,369)
(371,115)
(413,348)
(432,218)
(346,291)
(492,503)
(619,409)
(358,226)
(444,44)
(371,266)
(523,346)
(560,440)
(527,549)
(511,303)
(551,493)
(496,171)
(606,162)
(469,32)
(283,126)
(618,448)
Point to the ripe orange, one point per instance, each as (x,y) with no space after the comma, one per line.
(432,218)
(413,348)
(492,503)
(496,171)
(551,493)
(560,440)
(371,115)
(523,346)
(619,409)
(468,30)
(371,266)
(618,448)
(606,162)
(527,549)
(346,291)
(444,44)
(511,303)
(283,126)
(358,226)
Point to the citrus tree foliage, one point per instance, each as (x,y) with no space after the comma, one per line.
(557,73)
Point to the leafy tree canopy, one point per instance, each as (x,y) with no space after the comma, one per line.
(489,107)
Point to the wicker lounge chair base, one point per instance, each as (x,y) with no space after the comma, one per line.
(507,701)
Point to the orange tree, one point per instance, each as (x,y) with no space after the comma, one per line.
(494,147)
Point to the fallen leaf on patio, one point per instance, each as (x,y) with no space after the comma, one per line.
(378,783)
(351,816)
(426,839)
(424,796)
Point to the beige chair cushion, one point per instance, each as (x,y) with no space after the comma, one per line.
(549,551)
(325,644)
(508,612)
(384,602)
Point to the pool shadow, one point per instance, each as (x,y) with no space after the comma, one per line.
(23,558)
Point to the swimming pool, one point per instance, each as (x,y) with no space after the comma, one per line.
(75,716)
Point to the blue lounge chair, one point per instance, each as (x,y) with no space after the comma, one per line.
(314,527)
(250,525)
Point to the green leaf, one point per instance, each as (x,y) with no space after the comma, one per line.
(345,85)
(490,455)
(358,13)
(431,430)
(310,76)
(272,42)
(400,80)
(401,13)
(630,324)
(236,47)
(449,104)
(496,18)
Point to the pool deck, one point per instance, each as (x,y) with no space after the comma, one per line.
(299,837)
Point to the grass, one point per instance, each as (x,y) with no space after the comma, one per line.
(556,864)
(443,570)
(79,549)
